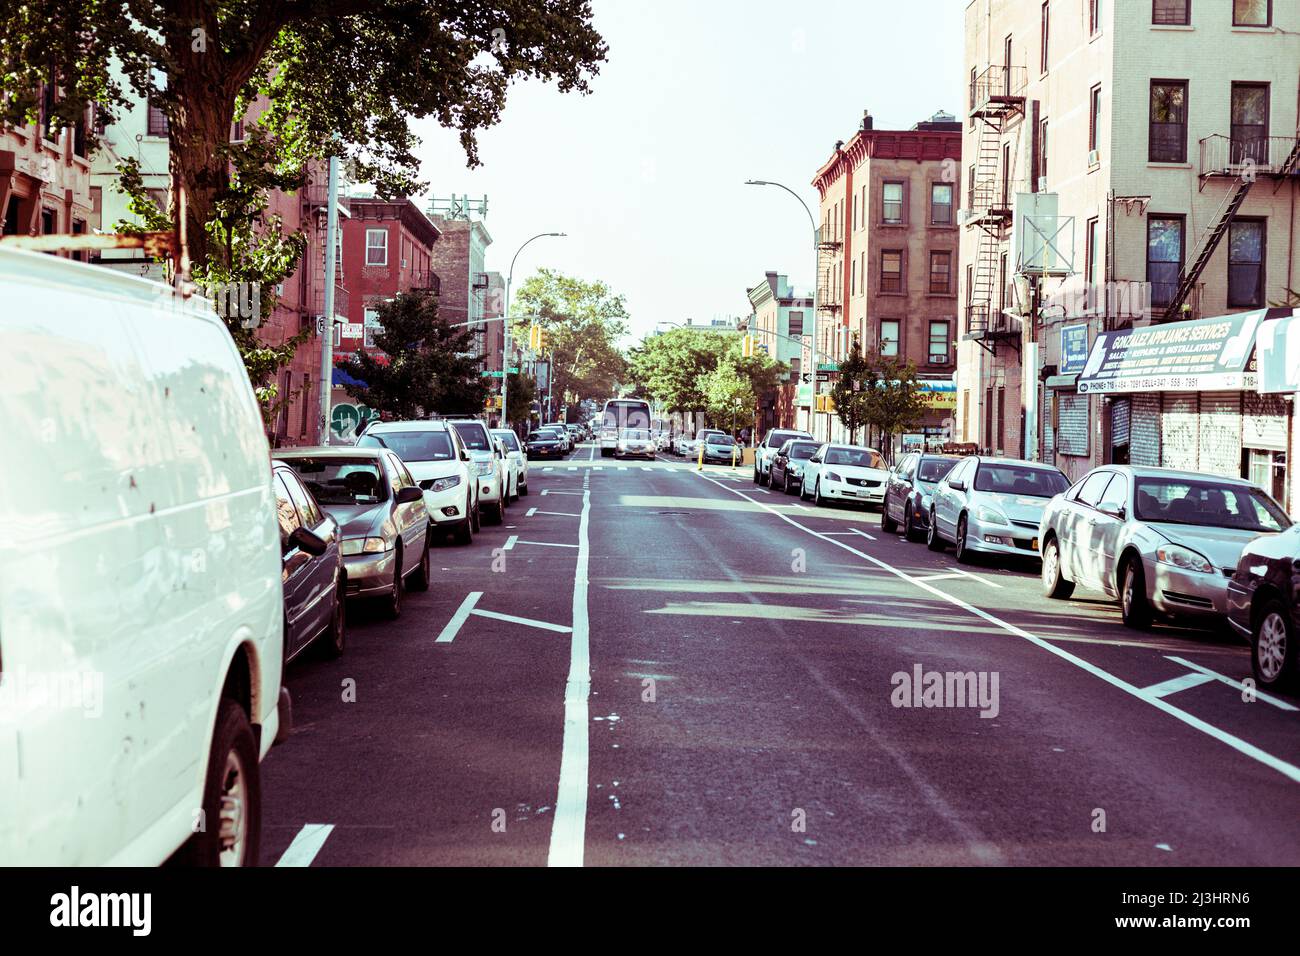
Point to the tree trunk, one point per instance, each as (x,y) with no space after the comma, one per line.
(199,170)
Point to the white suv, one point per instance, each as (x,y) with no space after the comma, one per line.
(141,608)
(516,458)
(441,465)
(486,466)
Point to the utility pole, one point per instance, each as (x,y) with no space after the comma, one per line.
(505,347)
(327,324)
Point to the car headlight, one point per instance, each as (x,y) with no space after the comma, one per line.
(990,515)
(483,468)
(1185,558)
(442,484)
(831,476)
(364,545)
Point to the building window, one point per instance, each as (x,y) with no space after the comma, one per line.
(1167,131)
(893,202)
(79,229)
(1094,119)
(1094,17)
(1252,13)
(940,273)
(855,213)
(889,337)
(891,271)
(1249,123)
(49,221)
(1246,262)
(372,326)
(11,217)
(1045,32)
(796,323)
(939,348)
(853,277)
(1171,12)
(376,247)
(1092,260)
(941,204)
(1042,150)
(157,120)
(1164,257)
(306,405)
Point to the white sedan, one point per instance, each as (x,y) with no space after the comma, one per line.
(516,461)
(844,473)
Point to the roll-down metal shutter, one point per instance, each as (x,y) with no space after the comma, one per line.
(1178,424)
(1120,416)
(1264,422)
(1072,424)
(1219,433)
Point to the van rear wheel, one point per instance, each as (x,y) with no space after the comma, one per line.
(230,822)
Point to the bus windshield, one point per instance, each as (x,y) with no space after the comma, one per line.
(626,413)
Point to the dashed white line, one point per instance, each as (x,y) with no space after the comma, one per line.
(530,512)
(544,625)
(1176,684)
(306,844)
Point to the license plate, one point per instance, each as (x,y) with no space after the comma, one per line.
(1034,544)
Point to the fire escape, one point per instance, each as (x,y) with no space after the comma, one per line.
(1242,158)
(830,242)
(997,96)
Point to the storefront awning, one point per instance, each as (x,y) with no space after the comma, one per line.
(1277,353)
(1204,355)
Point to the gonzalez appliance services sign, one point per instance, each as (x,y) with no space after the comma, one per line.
(1204,355)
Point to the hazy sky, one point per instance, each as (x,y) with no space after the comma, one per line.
(646,174)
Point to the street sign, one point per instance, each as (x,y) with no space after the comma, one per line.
(496,373)
(823,376)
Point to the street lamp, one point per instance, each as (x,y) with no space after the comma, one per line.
(505,343)
(812,409)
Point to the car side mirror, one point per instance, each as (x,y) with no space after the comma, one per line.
(814,460)
(1112,509)
(464,455)
(307,541)
(409,495)
(957,485)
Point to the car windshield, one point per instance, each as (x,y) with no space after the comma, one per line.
(342,481)
(474,435)
(855,457)
(803,450)
(411,446)
(933,469)
(541,436)
(1019,480)
(778,438)
(509,439)
(720,440)
(1209,503)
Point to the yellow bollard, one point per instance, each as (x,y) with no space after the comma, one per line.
(700,465)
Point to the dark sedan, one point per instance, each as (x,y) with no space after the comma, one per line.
(544,443)
(786,471)
(314,581)
(908,491)
(1264,606)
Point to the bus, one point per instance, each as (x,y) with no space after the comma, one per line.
(618,414)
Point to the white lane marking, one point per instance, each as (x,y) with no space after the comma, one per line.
(1267,698)
(959,573)
(569,827)
(622,467)
(1291,771)
(1176,684)
(511,541)
(646,468)
(559,514)
(544,470)
(460,617)
(530,512)
(553,491)
(765,491)
(546,544)
(597,467)
(573,468)
(544,625)
(945,576)
(306,844)
(869,537)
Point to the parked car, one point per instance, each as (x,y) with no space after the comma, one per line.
(516,458)
(575,434)
(844,473)
(691,446)
(1162,542)
(786,470)
(544,443)
(315,584)
(381,511)
(909,491)
(1264,606)
(562,430)
(140,563)
(635,443)
(440,464)
(486,467)
(766,450)
(682,444)
(992,505)
(720,447)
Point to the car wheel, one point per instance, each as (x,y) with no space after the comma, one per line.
(932,539)
(523,490)
(756,481)
(909,529)
(335,636)
(803,490)
(1054,583)
(887,524)
(419,581)
(232,796)
(962,552)
(785,484)
(477,516)
(818,500)
(497,514)
(764,479)
(393,606)
(1272,647)
(1133,604)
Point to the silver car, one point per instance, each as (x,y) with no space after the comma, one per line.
(992,505)
(1162,542)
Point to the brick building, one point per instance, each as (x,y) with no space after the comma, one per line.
(459,263)
(777,319)
(888,240)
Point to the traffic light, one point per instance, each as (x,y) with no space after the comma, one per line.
(747,346)
(536,337)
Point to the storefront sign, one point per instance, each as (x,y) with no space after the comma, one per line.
(939,394)
(1074,349)
(1204,355)
(1278,353)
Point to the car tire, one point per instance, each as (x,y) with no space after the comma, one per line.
(756,481)
(477,516)
(932,539)
(334,638)
(961,551)
(497,512)
(887,524)
(764,479)
(817,498)
(785,485)
(419,581)
(909,529)
(393,606)
(803,490)
(232,772)
(1273,647)
(1055,584)
(1133,604)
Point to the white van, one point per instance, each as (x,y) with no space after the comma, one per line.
(141,615)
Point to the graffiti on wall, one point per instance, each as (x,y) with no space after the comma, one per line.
(344,419)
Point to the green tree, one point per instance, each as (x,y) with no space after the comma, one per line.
(583,321)
(893,400)
(670,367)
(729,394)
(847,391)
(428,367)
(522,393)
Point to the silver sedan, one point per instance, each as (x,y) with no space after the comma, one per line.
(1162,542)
(992,505)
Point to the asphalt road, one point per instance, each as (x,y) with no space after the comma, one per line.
(666,666)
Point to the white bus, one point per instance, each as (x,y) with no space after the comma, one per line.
(621,413)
